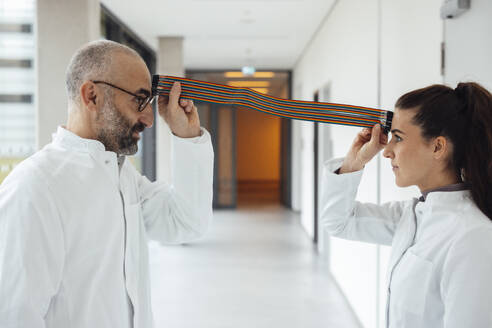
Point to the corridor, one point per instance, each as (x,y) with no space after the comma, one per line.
(255,268)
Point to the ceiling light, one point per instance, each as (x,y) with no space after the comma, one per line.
(264,74)
(248,70)
(261,90)
(237,74)
(249,84)
(233,74)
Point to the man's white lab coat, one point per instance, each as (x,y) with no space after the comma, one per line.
(440,270)
(74,228)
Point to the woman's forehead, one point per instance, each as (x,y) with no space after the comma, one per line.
(403,120)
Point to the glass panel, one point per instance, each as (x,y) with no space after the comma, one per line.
(226,188)
(204,114)
(17,83)
(15,28)
(17,11)
(20,63)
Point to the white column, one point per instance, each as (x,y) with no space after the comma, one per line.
(62,27)
(169,62)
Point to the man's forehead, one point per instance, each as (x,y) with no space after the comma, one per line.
(131,71)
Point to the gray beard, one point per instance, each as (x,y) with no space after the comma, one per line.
(115,131)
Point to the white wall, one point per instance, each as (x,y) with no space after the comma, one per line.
(307,177)
(345,53)
(469,45)
(296,156)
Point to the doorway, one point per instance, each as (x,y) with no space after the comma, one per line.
(252,149)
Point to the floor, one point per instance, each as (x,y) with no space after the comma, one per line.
(255,268)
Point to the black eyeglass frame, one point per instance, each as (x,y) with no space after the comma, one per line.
(141,101)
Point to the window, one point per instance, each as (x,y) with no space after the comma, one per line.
(17,83)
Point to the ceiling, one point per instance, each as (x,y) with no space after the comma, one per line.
(228,34)
(274,83)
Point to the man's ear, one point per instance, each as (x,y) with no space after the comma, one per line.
(89,95)
(441,147)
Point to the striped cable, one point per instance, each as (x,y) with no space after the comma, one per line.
(293,109)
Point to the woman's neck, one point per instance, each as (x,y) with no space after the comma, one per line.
(439,180)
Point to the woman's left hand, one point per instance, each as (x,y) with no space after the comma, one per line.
(366,145)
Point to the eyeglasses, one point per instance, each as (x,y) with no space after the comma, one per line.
(142,102)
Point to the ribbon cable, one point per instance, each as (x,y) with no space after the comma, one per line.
(294,109)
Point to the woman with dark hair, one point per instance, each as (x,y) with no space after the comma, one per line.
(440,270)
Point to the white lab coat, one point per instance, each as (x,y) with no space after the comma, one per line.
(74,232)
(440,270)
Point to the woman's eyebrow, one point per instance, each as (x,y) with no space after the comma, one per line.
(396,130)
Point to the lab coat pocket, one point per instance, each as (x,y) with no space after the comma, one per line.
(410,284)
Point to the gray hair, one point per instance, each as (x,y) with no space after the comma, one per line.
(92,61)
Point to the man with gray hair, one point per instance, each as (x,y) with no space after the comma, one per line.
(75,217)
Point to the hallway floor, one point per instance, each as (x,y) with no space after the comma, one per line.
(255,268)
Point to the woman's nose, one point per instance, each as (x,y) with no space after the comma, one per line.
(388,152)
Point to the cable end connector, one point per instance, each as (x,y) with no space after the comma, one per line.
(386,121)
(155,83)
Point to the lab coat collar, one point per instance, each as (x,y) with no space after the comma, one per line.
(94,148)
(453,187)
(68,139)
(447,197)
(121,161)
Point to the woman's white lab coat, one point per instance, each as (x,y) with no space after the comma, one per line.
(440,270)
(74,225)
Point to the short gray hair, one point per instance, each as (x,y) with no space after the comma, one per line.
(92,61)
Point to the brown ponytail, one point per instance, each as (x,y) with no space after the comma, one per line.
(464,116)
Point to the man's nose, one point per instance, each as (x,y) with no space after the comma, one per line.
(147,116)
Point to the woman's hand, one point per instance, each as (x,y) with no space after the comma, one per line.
(365,146)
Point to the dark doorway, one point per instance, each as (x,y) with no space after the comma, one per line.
(252,149)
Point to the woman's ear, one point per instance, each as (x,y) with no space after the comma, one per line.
(88,95)
(441,148)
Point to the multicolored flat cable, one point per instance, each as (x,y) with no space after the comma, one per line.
(294,109)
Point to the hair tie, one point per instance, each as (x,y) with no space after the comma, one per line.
(460,91)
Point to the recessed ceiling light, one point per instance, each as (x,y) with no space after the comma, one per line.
(233,74)
(237,74)
(248,70)
(249,84)
(264,74)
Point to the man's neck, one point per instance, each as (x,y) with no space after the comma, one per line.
(77,125)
